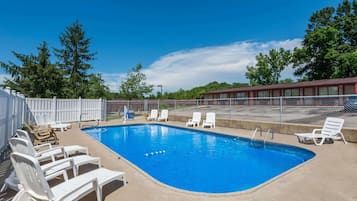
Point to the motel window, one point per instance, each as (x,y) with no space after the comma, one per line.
(308,92)
(291,92)
(263,93)
(325,91)
(349,89)
(223,95)
(242,95)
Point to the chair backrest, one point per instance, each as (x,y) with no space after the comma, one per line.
(23,135)
(153,114)
(164,114)
(211,117)
(31,176)
(22,146)
(332,126)
(196,116)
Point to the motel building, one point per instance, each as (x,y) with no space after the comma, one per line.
(261,94)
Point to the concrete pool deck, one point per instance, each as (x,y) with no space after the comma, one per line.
(330,176)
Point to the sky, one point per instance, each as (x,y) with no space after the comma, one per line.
(180,43)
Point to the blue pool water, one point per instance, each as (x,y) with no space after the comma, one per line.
(199,161)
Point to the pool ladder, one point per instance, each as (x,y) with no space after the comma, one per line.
(260,130)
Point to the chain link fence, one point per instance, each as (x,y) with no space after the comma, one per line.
(293,109)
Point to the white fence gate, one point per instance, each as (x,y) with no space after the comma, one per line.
(12,115)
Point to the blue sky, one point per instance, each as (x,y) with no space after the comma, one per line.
(181,43)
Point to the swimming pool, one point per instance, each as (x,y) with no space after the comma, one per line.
(199,161)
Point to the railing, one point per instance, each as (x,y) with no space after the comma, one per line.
(293,109)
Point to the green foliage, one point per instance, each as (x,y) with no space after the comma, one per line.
(96,87)
(134,87)
(268,68)
(330,45)
(74,58)
(198,92)
(36,76)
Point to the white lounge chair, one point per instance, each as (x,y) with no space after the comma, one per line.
(153,115)
(52,169)
(47,147)
(43,120)
(196,119)
(35,185)
(330,130)
(210,120)
(23,146)
(164,115)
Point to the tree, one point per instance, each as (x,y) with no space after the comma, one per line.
(36,77)
(330,44)
(134,87)
(96,87)
(268,68)
(74,58)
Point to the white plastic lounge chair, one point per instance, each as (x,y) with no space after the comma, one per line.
(35,185)
(59,126)
(67,150)
(52,169)
(330,130)
(196,119)
(210,120)
(153,115)
(164,115)
(25,147)
(43,120)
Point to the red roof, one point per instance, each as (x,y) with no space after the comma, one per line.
(315,83)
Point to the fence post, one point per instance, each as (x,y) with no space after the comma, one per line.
(230,108)
(101,110)
(281,108)
(175,104)
(54,109)
(79,110)
(158,104)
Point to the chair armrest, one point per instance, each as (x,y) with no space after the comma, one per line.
(56,174)
(50,150)
(59,162)
(95,186)
(316,130)
(37,147)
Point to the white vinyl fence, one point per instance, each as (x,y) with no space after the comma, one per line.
(12,115)
(65,110)
(15,110)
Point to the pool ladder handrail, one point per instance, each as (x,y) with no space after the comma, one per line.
(255,132)
(270,130)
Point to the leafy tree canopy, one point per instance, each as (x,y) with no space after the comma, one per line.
(330,44)
(268,68)
(36,76)
(74,59)
(197,92)
(135,87)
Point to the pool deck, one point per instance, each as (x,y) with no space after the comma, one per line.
(330,176)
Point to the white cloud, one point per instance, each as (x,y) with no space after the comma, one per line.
(4,77)
(113,80)
(195,67)
(190,68)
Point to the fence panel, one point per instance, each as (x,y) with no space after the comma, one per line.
(12,112)
(45,110)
